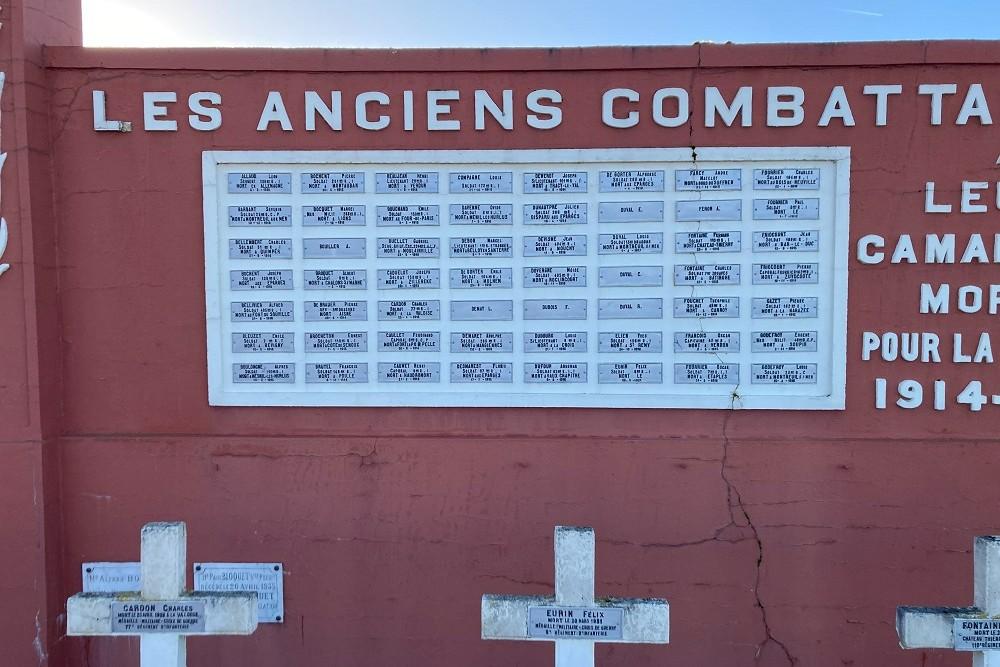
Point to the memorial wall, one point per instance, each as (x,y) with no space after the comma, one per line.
(373,323)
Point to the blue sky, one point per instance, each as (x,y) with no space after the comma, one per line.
(477,23)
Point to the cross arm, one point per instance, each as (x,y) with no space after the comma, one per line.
(930,627)
(225,613)
(645,620)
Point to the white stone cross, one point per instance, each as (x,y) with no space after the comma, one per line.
(573,619)
(962,628)
(162,613)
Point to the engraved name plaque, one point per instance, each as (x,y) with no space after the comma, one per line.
(409,341)
(464,311)
(555,309)
(708,342)
(482,341)
(704,210)
(706,373)
(555,214)
(555,373)
(263,373)
(707,242)
(478,278)
(786,241)
(481,214)
(408,215)
(260,216)
(708,179)
(333,181)
(707,306)
(785,341)
(258,182)
(631,181)
(155,617)
(261,311)
(408,248)
(333,248)
(630,309)
(336,311)
(409,310)
(555,341)
(482,246)
(785,274)
(409,278)
(786,209)
(783,374)
(403,182)
(707,274)
(630,341)
(631,244)
(402,371)
(536,182)
(630,276)
(976,634)
(630,373)
(336,341)
(335,279)
(261,279)
(575,623)
(785,307)
(334,215)
(555,276)
(482,371)
(464,182)
(253,341)
(340,372)
(786,179)
(260,248)
(538,246)
(630,211)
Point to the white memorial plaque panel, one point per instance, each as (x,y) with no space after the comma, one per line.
(555,341)
(333,181)
(707,342)
(708,179)
(264,579)
(575,623)
(551,246)
(481,214)
(786,241)
(486,181)
(111,577)
(707,242)
(256,182)
(341,215)
(407,215)
(786,209)
(555,276)
(555,214)
(786,179)
(535,278)
(704,210)
(554,181)
(630,341)
(976,634)
(153,617)
(785,341)
(785,307)
(477,278)
(338,279)
(260,216)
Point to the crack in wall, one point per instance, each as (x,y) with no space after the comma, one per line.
(734,503)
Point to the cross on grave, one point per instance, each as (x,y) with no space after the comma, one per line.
(162,613)
(962,628)
(573,619)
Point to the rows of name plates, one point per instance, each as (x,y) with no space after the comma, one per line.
(531,279)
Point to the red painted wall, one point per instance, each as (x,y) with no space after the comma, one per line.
(778,537)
